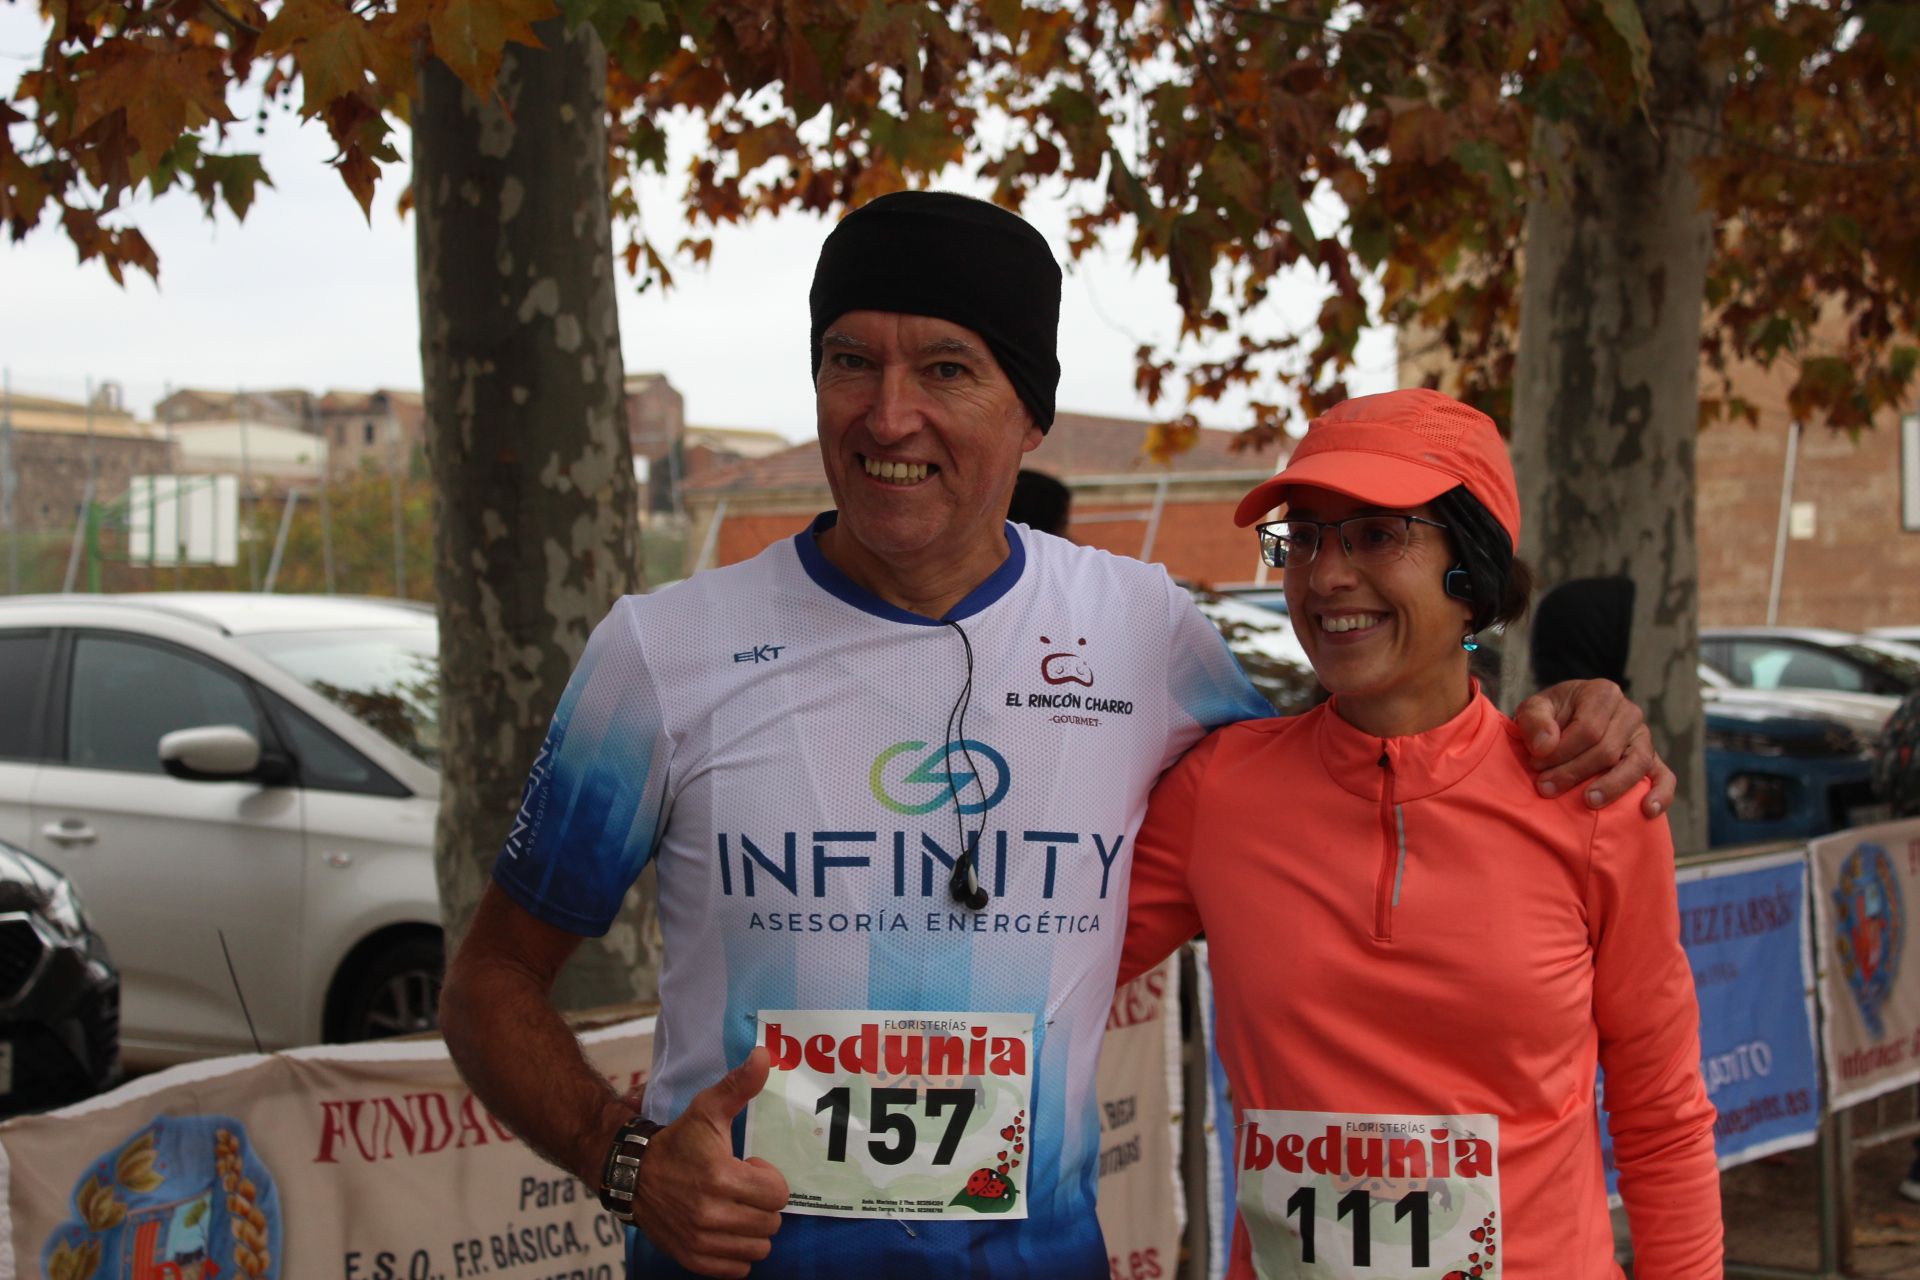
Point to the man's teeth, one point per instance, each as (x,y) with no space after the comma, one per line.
(898,472)
(1351,622)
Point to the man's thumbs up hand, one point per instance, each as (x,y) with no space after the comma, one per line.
(710,1212)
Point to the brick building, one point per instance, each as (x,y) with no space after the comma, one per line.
(379,430)
(656,432)
(282,407)
(1852,552)
(1851,556)
(1179,515)
(57,444)
(268,458)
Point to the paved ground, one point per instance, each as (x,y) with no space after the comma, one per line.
(1773,1213)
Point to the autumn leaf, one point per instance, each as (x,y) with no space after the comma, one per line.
(1624,17)
(1288,200)
(232,180)
(334,48)
(471,36)
(162,91)
(1166,441)
(360,172)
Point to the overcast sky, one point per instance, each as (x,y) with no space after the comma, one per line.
(306,293)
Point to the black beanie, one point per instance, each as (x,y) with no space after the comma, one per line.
(933,253)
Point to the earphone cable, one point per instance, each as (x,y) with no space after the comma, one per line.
(965,884)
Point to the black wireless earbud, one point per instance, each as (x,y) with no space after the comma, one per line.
(1459,585)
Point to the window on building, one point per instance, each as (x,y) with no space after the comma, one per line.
(369,433)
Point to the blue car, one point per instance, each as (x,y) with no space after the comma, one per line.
(1777,770)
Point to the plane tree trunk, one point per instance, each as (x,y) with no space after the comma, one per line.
(1606,388)
(534,495)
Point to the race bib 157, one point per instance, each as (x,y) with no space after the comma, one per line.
(897,1114)
(1332,1195)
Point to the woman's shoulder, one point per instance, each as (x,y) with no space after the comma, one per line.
(1265,743)
(1614,830)
(1268,731)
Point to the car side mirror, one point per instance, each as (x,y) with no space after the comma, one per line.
(220,753)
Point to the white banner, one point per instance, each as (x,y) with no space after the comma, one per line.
(365,1162)
(375,1162)
(1142,1206)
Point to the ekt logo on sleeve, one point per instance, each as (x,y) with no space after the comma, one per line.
(760,653)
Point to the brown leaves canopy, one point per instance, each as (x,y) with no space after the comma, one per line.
(133,92)
(1379,149)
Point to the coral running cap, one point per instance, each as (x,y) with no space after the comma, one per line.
(1398,449)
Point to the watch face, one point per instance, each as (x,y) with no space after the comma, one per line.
(622,1173)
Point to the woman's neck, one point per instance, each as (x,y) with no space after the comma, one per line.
(1401,713)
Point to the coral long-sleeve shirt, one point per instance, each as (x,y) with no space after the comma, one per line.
(1403,927)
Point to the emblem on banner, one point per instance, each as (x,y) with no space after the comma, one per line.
(184,1199)
(1870,926)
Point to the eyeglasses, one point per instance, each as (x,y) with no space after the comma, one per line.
(1365,539)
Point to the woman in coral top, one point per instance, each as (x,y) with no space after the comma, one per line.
(1418,960)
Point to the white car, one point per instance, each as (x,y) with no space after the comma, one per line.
(1905,635)
(1864,713)
(243,788)
(1811,658)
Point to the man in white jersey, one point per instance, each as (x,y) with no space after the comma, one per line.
(890,771)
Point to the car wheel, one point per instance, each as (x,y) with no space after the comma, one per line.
(396,993)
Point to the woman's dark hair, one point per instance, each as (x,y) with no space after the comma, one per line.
(1499,583)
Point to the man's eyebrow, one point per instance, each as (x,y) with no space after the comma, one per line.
(835,338)
(951,347)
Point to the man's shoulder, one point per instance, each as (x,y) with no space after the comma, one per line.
(741,585)
(1095,568)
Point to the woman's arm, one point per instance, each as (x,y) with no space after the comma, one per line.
(1160,910)
(1649,1024)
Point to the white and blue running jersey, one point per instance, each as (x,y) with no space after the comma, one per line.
(790,751)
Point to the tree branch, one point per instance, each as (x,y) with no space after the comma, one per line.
(1779,153)
(231,18)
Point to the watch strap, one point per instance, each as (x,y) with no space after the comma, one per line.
(620,1178)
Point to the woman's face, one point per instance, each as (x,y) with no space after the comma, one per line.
(1385,635)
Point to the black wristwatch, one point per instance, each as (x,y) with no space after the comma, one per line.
(621,1176)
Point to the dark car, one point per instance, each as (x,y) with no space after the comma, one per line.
(59,993)
(1779,770)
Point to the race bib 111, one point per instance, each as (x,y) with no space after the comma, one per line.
(1330,1195)
(897,1114)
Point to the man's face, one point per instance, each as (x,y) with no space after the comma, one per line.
(922,435)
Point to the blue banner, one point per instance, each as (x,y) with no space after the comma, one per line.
(1744,925)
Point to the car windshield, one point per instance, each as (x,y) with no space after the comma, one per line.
(1897,661)
(389,678)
